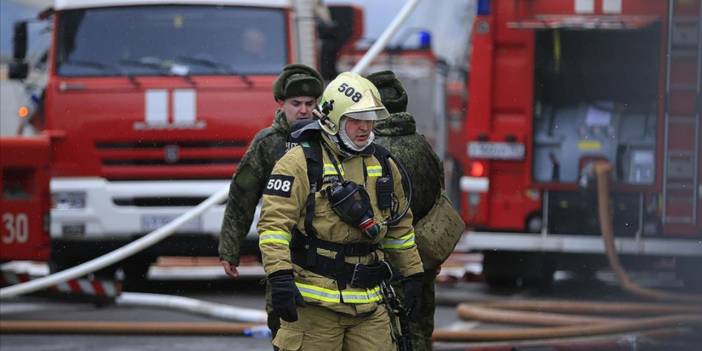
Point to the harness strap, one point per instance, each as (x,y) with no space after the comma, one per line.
(357,275)
(382,154)
(313,156)
(300,241)
(323,266)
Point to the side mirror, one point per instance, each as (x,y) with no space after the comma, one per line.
(17,70)
(19,41)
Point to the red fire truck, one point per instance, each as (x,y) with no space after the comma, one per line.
(558,85)
(149,106)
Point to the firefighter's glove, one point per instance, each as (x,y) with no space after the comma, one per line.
(284,295)
(412,288)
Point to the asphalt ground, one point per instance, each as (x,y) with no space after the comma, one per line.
(248,292)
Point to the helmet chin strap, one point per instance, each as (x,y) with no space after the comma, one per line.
(348,143)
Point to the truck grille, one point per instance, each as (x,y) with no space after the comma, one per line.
(150,144)
(174,201)
(156,162)
(169,160)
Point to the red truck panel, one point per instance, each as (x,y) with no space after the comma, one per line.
(25,199)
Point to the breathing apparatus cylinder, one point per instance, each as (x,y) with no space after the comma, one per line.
(351,203)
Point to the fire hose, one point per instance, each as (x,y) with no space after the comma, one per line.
(571,326)
(613,327)
(602,170)
(114,256)
(149,328)
(589,307)
(565,326)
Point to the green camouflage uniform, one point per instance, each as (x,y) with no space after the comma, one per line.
(399,135)
(246,189)
(267,147)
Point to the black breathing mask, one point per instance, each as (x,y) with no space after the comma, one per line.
(351,203)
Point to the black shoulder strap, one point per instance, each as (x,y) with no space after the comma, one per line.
(313,156)
(383,154)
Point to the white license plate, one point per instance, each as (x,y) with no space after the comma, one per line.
(153,222)
(495,150)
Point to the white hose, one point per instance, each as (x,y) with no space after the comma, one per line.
(379,44)
(210,309)
(117,255)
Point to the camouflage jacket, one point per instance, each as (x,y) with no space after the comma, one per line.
(247,184)
(399,135)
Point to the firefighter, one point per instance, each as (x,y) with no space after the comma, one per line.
(324,236)
(296,91)
(399,135)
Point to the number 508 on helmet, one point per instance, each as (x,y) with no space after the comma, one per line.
(349,95)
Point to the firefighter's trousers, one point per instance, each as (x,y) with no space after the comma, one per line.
(319,328)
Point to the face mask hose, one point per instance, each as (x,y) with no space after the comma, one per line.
(396,216)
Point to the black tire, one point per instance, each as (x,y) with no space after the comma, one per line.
(505,269)
(136,270)
(688,269)
(539,272)
(500,269)
(58,264)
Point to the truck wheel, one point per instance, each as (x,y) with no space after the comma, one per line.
(61,264)
(687,269)
(539,271)
(136,270)
(515,269)
(57,265)
(501,270)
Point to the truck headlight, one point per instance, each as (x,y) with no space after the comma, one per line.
(68,200)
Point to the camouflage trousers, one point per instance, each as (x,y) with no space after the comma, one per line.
(423,327)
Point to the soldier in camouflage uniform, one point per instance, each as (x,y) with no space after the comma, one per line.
(296,91)
(399,135)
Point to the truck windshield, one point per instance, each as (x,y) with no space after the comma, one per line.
(171,40)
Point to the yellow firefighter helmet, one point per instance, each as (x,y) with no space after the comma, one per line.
(352,96)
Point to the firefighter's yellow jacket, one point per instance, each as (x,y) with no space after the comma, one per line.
(283,209)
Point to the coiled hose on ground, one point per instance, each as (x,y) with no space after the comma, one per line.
(679,317)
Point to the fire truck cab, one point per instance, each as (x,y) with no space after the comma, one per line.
(149,106)
(556,86)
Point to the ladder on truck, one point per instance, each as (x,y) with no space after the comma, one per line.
(681,173)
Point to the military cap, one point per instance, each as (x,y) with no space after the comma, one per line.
(392,94)
(297,80)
